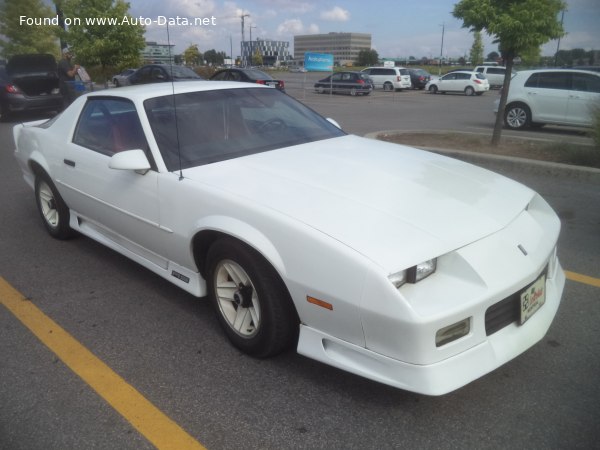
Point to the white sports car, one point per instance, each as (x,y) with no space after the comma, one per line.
(399,265)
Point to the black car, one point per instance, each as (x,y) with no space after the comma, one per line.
(158,73)
(353,83)
(248,76)
(29,83)
(419,78)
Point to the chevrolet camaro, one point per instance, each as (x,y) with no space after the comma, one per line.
(402,266)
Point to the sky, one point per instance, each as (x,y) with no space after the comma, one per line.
(398,28)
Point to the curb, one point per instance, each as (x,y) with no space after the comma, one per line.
(551,169)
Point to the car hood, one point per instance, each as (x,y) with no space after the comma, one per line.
(395,205)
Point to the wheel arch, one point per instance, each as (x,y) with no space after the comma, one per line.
(217,227)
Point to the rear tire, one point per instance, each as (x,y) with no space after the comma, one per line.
(55,213)
(388,86)
(469,91)
(353,92)
(250,299)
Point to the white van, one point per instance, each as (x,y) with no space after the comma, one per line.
(389,78)
(494,75)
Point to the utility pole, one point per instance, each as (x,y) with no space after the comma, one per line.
(442,49)
(251,46)
(243,40)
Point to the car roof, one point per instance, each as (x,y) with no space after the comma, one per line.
(145,91)
(556,69)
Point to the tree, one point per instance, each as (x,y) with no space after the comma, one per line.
(257,59)
(517,26)
(367,57)
(476,53)
(23,37)
(212,57)
(102,43)
(192,55)
(531,57)
(492,56)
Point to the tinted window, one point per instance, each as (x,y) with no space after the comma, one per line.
(404,72)
(220,76)
(258,75)
(586,83)
(223,124)
(549,80)
(496,71)
(109,125)
(463,76)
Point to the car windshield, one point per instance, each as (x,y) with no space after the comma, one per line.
(216,125)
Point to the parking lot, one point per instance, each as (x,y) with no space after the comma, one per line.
(168,347)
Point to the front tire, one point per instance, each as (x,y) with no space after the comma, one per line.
(251,301)
(517,116)
(433,89)
(55,213)
(388,86)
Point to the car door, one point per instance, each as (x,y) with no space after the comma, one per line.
(448,82)
(548,96)
(119,205)
(583,98)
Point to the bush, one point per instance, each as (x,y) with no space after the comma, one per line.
(596,127)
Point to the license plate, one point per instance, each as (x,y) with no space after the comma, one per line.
(532,298)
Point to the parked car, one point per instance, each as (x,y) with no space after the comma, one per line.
(159,73)
(122,79)
(419,78)
(494,74)
(297,69)
(29,83)
(402,266)
(353,83)
(551,96)
(389,78)
(470,83)
(248,76)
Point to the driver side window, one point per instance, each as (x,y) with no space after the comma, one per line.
(109,125)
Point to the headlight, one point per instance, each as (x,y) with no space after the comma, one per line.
(414,274)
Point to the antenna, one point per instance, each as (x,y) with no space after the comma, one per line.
(174,102)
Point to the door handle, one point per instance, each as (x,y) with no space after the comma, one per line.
(68,162)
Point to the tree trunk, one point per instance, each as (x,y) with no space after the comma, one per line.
(504,95)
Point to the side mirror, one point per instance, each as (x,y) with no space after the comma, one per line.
(333,122)
(130,160)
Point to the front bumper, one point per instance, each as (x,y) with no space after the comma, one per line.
(446,375)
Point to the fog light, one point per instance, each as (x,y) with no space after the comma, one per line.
(452,332)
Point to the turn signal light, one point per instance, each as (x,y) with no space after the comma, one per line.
(452,332)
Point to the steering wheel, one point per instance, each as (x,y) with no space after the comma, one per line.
(274,124)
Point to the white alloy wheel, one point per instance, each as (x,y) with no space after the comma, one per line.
(237,298)
(48,205)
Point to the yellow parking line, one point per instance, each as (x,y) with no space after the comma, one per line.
(582,278)
(154,425)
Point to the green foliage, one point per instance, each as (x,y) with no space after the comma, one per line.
(214,58)
(518,25)
(17,38)
(476,53)
(192,55)
(257,59)
(596,127)
(367,58)
(103,44)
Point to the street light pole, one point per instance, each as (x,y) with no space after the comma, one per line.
(251,45)
(243,40)
(442,48)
